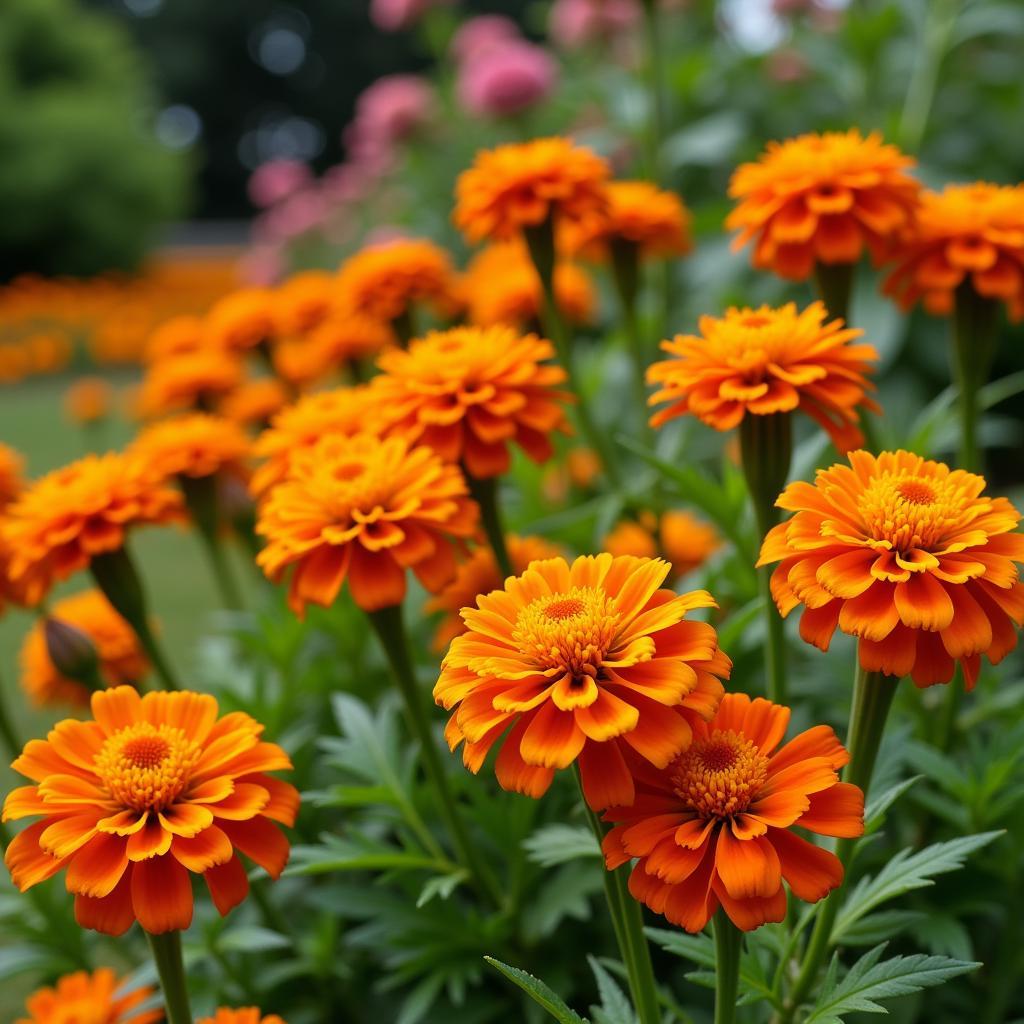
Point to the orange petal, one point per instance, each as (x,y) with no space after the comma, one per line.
(812,873)
(153,840)
(747,867)
(98,866)
(376,581)
(552,739)
(607,781)
(513,773)
(112,914)
(187,820)
(837,811)
(228,884)
(204,851)
(661,733)
(27,861)
(161,895)
(923,602)
(608,716)
(748,914)
(261,841)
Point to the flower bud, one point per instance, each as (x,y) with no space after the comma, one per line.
(72,652)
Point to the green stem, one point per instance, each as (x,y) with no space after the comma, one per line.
(166,949)
(485,494)
(835,286)
(940,19)
(975,320)
(204,508)
(403,327)
(387,622)
(872,698)
(115,574)
(655,87)
(7,731)
(626,272)
(728,947)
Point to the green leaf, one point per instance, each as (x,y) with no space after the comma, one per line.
(357,853)
(441,885)
(874,813)
(885,924)
(867,981)
(904,872)
(538,992)
(251,939)
(615,1008)
(558,843)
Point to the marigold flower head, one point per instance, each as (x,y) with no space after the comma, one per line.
(194,444)
(522,185)
(61,521)
(246,1015)
(255,401)
(908,556)
(763,361)
(963,233)
(303,301)
(298,427)
(174,337)
(121,660)
(364,509)
(133,802)
(342,338)
(593,662)
(11,482)
(501,286)
(241,320)
(712,828)
(633,537)
(84,997)
(386,281)
(191,380)
(88,400)
(638,213)
(479,574)
(469,391)
(822,199)
(682,539)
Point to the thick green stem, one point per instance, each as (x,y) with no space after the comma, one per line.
(387,622)
(975,321)
(540,241)
(835,286)
(658,119)
(170,966)
(627,923)
(204,508)
(115,574)
(7,731)
(626,271)
(872,698)
(485,493)
(728,947)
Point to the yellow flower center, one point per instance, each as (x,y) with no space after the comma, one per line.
(569,632)
(719,776)
(146,767)
(358,486)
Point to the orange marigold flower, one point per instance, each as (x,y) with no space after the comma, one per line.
(479,574)
(303,301)
(640,214)
(61,521)
(908,556)
(88,400)
(633,537)
(194,444)
(686,541)
(965,232)
(246,1015)
(241,320)
(712,828)
(192,380)
(121,660)
(822,199)
(255,401)
(342,338)
(364,509)
(469,391)
(522,185)
(386,281)
(84,997)
(592,661)
(175,337)
(764,361)
(502,287)
(11,482)
(299,426)
(153,789)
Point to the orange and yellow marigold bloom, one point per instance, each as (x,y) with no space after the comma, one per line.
(303,301)
(712,828)
(523,185)
(150,791)
(965,233)
(470,392)
(364,509)
(241,320)
(342,338)
(763,361)
(194,445)
(246,1015)
(191,380)
(255,401)
(907,555)
(88,400)
(824,198)
(84,997)
(174,337)
(593,663)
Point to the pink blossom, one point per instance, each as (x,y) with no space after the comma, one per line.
(261,265)
(395,15)
(390,110)
(478,35)
(575,23)
(274,180)
(506,80)
(295,215)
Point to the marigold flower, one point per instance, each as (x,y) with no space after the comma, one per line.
(591,661)
(299,426)
(241,320)
(822,199)
(56,526)
(684,541)
(175,337)
(963,233)
(255,401)
(11,482)
(712,828)
(88,400)
(386,281)
(342,338)
(522,185)
(479,574)
(764,361)
(501,286)
(194,444)
(85,997)
(153,789)
(303,301)
(364,509)
(469,391)
(633,537)
(121,660)
(246,1015)
(191,380)
(908,556)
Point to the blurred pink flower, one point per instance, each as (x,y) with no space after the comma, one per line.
(345,183)
(477,35)
(575,23)
(506,79)
(384,234)
(261,265)
(275,179)
(395,15)
(295,215)
(391,109)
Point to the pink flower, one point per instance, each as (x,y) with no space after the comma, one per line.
(274,180)
(478,35)
(575,23)
(392,109)
(506,79)
(395,15)
(261,265)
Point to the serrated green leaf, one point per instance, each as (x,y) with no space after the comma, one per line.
(538,992)
(558,843)
(885,924)
(442,886)
(874,813)
(615,1008)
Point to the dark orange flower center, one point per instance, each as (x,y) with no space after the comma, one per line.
(146,767)
(721,775)
(569,632)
